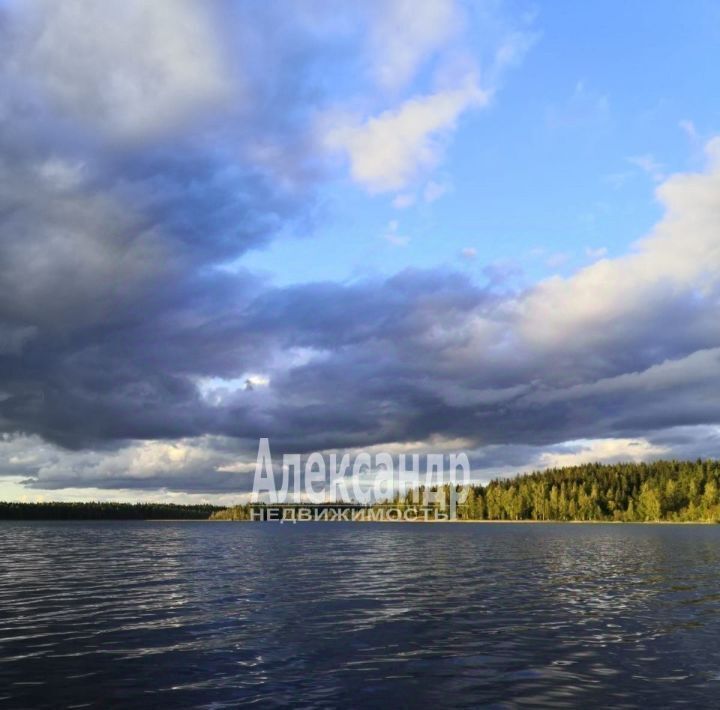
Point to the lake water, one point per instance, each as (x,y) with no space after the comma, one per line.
(371,615)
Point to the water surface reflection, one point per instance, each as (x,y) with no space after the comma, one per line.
(218,615)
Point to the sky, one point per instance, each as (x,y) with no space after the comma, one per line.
(489,226)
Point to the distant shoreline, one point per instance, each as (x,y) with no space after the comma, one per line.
(384,522)
(439,522)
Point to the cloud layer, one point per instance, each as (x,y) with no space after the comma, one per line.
(142,154)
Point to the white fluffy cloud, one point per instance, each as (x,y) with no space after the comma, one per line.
(680,256)
(426,71)
(387,152)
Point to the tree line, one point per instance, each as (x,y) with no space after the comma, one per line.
(673,491)
(105,511)
(679,491)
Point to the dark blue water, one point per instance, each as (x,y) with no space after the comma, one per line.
(364,615)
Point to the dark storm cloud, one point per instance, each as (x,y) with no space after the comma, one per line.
(125,180)
(382,361)
(379,370)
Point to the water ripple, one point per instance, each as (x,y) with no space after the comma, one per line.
(321,615)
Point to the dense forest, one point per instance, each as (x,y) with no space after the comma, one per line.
(236,512)
(104,511)
(680,491)
(632,492)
